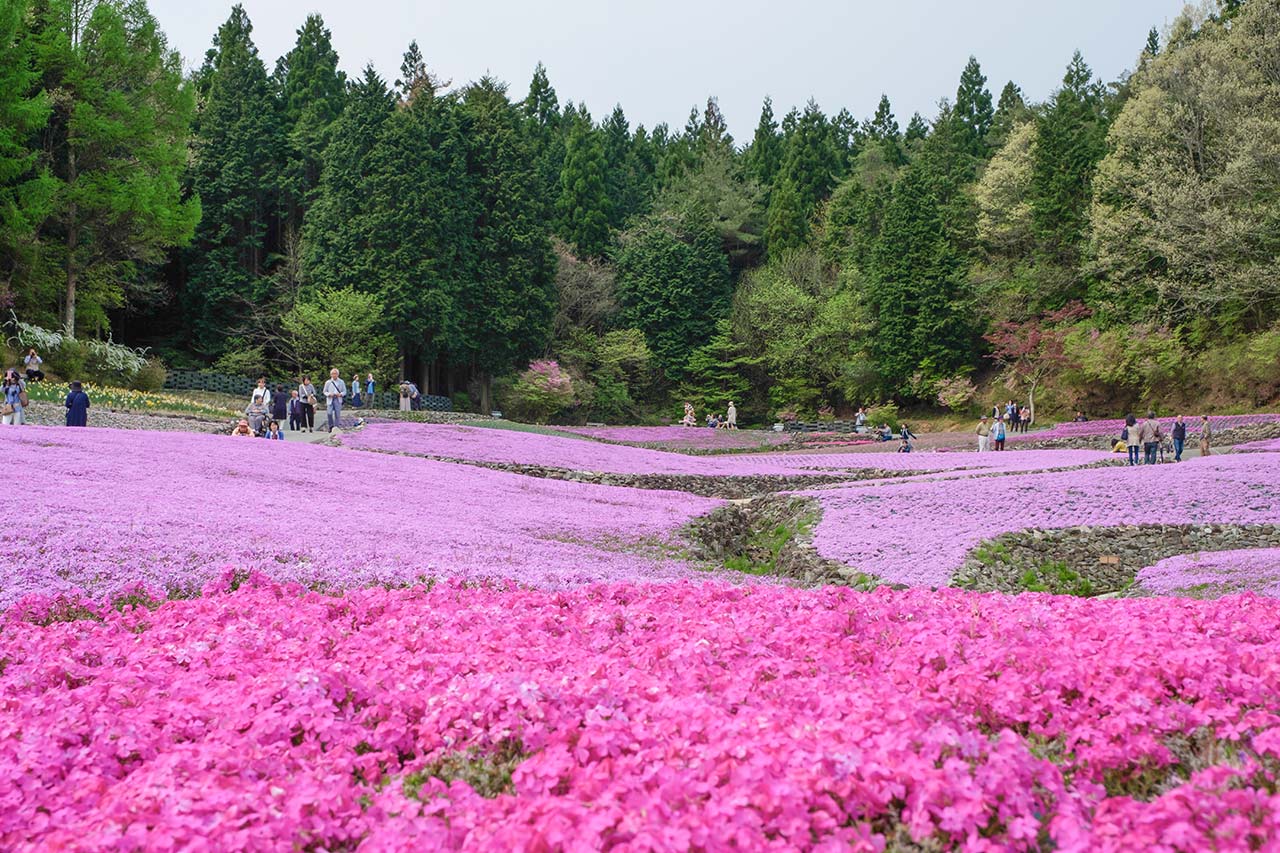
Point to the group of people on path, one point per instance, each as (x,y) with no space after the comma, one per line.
(1145,441)
(13,410)
(266,410)
(714,420)
(993,430)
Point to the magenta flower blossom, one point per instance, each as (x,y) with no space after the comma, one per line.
(664,717)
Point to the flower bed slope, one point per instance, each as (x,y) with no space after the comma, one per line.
(919,532)
(1113,428)
(684,438)
(1214,572)
(646,717)
(102,509)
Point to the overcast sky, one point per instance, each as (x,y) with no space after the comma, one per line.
(659,57)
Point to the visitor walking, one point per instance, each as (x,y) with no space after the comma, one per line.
(369,388)
(1025,418)
(279,404)
(357,399)
(984,434)
(907,433)
(1131,439)
(998,433)
(1015,418)
(307,393)
(77,406)
(334,391)
(32,362)
(732,416)
(1179,438)
(1149,432)
(404,396)
(15,398)
(1206,436)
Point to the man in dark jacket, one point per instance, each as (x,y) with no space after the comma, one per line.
(1179,438)
(77,406)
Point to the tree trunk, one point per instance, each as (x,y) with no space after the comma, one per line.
(486,394)
(1031,403)
(73,235)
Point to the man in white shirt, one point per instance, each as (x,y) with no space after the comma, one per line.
(334,390)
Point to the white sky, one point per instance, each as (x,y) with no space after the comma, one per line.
(658,58)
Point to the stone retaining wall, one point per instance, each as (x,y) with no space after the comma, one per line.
(1108,557)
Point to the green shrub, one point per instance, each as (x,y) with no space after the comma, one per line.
(462,402)
(884,413)
(151,377)
(539,393)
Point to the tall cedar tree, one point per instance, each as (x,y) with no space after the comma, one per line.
(1070,140)
(26,187)
(583,206)
(510,299)
(542,127)
(625,182)
(1011,110)
(419,228)
(673,284)
(973,112)
(116,143)
(312,92)
(239,151)
(847,137)
(806,177)
(336,234)
(915,281)
(882,130)
(764,157)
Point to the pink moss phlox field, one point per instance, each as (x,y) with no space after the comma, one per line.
(1267,445)
(98,509)
(664,717)
(918,532)
(479,444)
(683,438)
(1256,569)
(1113,428)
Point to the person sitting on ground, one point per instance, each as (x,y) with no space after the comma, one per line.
(273,431)
(77,406)
(1080,418)
(904,446)
(32,362)
(886,432)
(242,429)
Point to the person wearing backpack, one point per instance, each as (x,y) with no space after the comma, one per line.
(77,406)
